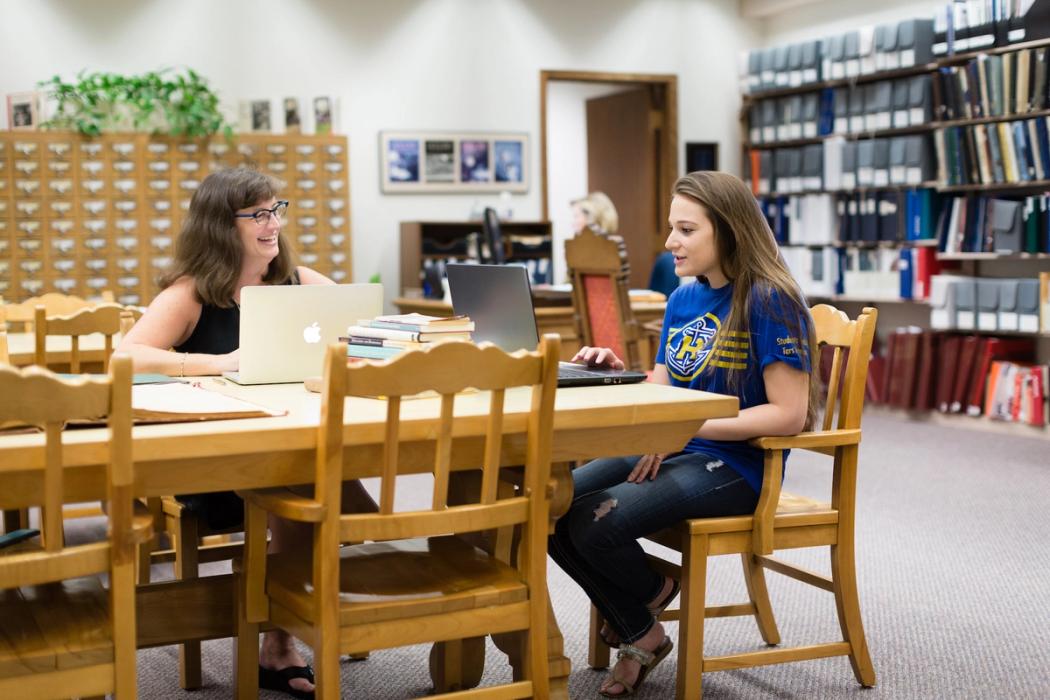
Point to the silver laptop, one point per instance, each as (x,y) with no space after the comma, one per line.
(285,329)
(498,299)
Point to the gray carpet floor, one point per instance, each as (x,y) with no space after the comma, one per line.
(954,572)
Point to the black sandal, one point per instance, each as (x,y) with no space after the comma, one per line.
(282,680)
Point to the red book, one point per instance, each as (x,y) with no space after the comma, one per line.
(949,356)
(964,374)
(909,367)
(887,365)
(925,385)
(1038,378)
(995,349)
(897,369)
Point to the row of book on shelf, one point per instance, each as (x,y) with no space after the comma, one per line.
(860,52)
(988,86)
(854,109)
(958,302)
(996,153)
(383,337)
(973,375)
(993,85)
(952,224)
(871,274)
(838,164)
(959,25)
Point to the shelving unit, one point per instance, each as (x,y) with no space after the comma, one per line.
(791,209)
(443,240)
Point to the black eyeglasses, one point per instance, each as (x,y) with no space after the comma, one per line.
(262,217)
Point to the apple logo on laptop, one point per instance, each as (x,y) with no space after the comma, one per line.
(312,333)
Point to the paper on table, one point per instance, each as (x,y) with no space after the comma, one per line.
(159,400)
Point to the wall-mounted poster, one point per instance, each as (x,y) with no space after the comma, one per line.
(454,162)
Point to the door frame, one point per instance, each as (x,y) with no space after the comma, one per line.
(667,172)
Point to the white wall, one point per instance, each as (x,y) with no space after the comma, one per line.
(567,157)
(396,64)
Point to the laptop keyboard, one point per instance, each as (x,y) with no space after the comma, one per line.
(571,369)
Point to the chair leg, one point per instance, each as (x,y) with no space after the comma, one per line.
(691,618)
(326,665)
(245,650)
(755,579)
(597,650)
(847,602)
(187,567)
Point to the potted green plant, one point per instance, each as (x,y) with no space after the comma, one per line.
(165,101)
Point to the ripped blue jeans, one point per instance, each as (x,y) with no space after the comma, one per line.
(596,542)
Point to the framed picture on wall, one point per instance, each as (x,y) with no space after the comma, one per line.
(423,161)
(23,111)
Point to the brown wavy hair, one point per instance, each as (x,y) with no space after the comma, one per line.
(208,248)
(751,260)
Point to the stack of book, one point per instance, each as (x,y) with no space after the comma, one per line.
(386,336)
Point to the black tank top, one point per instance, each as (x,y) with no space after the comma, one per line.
(218,329)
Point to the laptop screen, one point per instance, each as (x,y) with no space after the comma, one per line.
(499,301)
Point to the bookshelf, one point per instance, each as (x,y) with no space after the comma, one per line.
(82,215)
(835,178)
(423,242)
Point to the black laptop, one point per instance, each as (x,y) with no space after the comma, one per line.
(498,300)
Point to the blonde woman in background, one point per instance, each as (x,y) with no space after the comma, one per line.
(597,212)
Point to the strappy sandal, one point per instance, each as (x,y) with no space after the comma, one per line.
(282,680)
(646,659)
(656,610)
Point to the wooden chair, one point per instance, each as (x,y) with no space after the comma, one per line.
(61,632)
(600,299)
(781,521)
(415,582)
(23,314)
(103,318)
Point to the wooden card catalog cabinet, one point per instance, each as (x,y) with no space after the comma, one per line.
(79,216)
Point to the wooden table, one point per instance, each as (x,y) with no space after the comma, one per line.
(92,350)
(260,452)
(549,319)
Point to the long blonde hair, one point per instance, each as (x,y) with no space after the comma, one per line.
(599,212)
(750,258)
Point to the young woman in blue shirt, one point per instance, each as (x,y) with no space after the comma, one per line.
(743,329)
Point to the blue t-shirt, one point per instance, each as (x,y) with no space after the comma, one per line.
(694,314)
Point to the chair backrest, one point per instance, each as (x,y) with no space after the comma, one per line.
(37,397)
(600,298)
(5,355)
(103,318)
(851,342)
(493,237)
(129,316)
(56,304)
(446,368)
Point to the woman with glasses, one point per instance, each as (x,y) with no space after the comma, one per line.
(231,239)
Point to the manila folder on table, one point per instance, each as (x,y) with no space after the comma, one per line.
(174,403)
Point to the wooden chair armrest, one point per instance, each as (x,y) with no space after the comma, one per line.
(285,503)
(826,438)
(141,523)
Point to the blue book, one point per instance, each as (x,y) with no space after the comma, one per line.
(907,273)
(1024,160)
(910,230)
(1044,143)
(371,352)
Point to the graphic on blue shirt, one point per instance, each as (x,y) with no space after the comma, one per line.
(691,347)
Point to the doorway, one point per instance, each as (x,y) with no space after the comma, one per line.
(617,133)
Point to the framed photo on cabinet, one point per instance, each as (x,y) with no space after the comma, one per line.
(412,161)
(23,111)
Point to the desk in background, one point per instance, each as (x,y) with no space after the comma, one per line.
(553,315)
(92,350)
(260,452)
